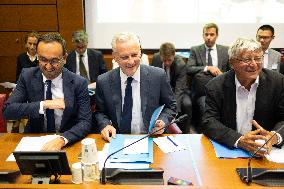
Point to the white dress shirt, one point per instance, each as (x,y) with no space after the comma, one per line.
(137,126)
(85,62)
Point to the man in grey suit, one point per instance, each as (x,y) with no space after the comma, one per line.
(54,99)
(206,61)
(175,68)
(87,62)
(126,97)
(272,58)
(248,96)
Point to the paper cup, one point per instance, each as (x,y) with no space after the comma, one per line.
(89,151)
(77,173)
(90,171)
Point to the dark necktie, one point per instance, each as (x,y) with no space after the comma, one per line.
(49,112)
(209,58)
(126,117)
(83,71)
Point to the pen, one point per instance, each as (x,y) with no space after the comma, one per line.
(172,141)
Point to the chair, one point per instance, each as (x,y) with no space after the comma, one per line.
(3,123)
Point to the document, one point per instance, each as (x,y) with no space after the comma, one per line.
(225,152)
(169,144)
(276,155)
(137,148)
(8,85)
(155,117)
(31,144)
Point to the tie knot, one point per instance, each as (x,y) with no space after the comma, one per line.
(210,49)
(81,56)
(48,82)
(129,80)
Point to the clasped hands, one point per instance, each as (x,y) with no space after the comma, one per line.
(110,132)
(249,143)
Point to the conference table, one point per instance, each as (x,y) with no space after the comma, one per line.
(197,164)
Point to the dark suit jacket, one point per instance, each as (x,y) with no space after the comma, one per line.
(23,61)
(219,120)
(155,90)
(178,76)
(25,102)
(95,61)
(197,59)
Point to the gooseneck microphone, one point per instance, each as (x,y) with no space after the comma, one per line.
(249,169)
(103,173)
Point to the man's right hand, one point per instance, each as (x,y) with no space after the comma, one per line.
(57,104)
(215,71)
(107,131)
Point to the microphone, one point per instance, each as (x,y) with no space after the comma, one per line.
(103,173)
(249,169)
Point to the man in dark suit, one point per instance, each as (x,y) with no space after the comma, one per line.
(28,59)
(53,98)
(87,62)
(126,97)
(243,98)
(206,61)
(176,71)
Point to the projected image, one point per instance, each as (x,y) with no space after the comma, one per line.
(190,11)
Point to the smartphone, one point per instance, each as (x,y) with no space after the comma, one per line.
(177,181)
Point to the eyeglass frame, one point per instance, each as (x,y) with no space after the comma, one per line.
(51,62)
(249,60)
(126,58)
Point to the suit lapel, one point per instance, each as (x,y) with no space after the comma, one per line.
(230,106)
(115,87)
(144,89)
(73,61)
(68,90)
(91,63)
(261,99)
(37,86)
(203,54)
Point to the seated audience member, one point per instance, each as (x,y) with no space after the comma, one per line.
(54,99)
(28,59)
(87,62)
(144,60)
(272,58)
(176,71)
(127,96)
(206,61)
(246,103)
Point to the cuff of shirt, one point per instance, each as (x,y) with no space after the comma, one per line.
(205,69)
(65,140)
(41,110)
(279,138)
(236,143)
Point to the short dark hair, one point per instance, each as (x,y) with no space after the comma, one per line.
(53,37)
(167,49)
(266,27)
(31,34)
(210,25)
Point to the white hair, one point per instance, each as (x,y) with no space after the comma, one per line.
(123,37)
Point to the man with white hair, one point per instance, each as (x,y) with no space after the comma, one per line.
(127,96)
(245,104)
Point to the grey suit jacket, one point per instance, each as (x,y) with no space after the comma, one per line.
(197,59)
(219,120)
(274,58)
(95,61)
(155,90)
(178,76)
(25,102)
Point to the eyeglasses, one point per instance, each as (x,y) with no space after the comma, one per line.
(259,37)
(134,56)
(54,61)
(257,59)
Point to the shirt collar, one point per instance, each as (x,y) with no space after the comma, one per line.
(56,81)
(238,84)
(32,57)
(266,51)
(84,55)
(213,47)
(136,76)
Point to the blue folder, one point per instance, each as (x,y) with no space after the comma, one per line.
(118,143)
(225,152)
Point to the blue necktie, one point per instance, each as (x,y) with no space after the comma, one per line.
(49,112)
(209,58)
(126,117)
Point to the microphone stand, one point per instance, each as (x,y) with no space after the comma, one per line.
(103,173)
(249,169)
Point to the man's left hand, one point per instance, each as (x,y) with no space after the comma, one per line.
(54,145)
(158,125)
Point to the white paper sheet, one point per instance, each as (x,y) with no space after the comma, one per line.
(8,85)
(276,155)
(169,144)
(137,148)
(103,154)
(31,144)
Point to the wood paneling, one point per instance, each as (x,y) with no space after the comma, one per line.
(9,18)
(27,2)
(11,43)
(7,68)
